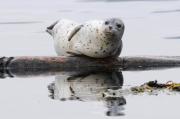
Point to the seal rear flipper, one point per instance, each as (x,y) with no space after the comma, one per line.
(50,28)
(74,31)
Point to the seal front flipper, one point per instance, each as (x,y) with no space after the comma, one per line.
(74,31)
(50,28)
(74,53)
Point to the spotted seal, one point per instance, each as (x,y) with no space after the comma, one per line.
(96,38)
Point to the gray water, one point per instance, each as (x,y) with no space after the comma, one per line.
(152,28)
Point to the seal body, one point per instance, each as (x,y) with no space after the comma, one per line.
(96,38)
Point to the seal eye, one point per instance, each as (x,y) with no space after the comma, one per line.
(106,22)
(119,25)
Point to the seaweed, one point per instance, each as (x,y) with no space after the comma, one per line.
(154,85)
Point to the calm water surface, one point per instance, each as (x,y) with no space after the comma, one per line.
(152,28)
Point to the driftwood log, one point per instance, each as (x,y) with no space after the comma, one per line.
(42,65)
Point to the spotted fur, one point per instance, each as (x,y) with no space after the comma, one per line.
(97,38)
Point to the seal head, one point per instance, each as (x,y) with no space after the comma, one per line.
(114,27)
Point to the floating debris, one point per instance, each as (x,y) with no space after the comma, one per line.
(173,86)
(152,86)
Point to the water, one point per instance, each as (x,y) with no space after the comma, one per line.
(152,28)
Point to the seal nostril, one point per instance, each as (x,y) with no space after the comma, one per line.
(110,27)
(106,22)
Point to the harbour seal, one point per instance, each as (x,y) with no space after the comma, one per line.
(96,38)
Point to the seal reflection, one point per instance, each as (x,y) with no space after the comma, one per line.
(101,86)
